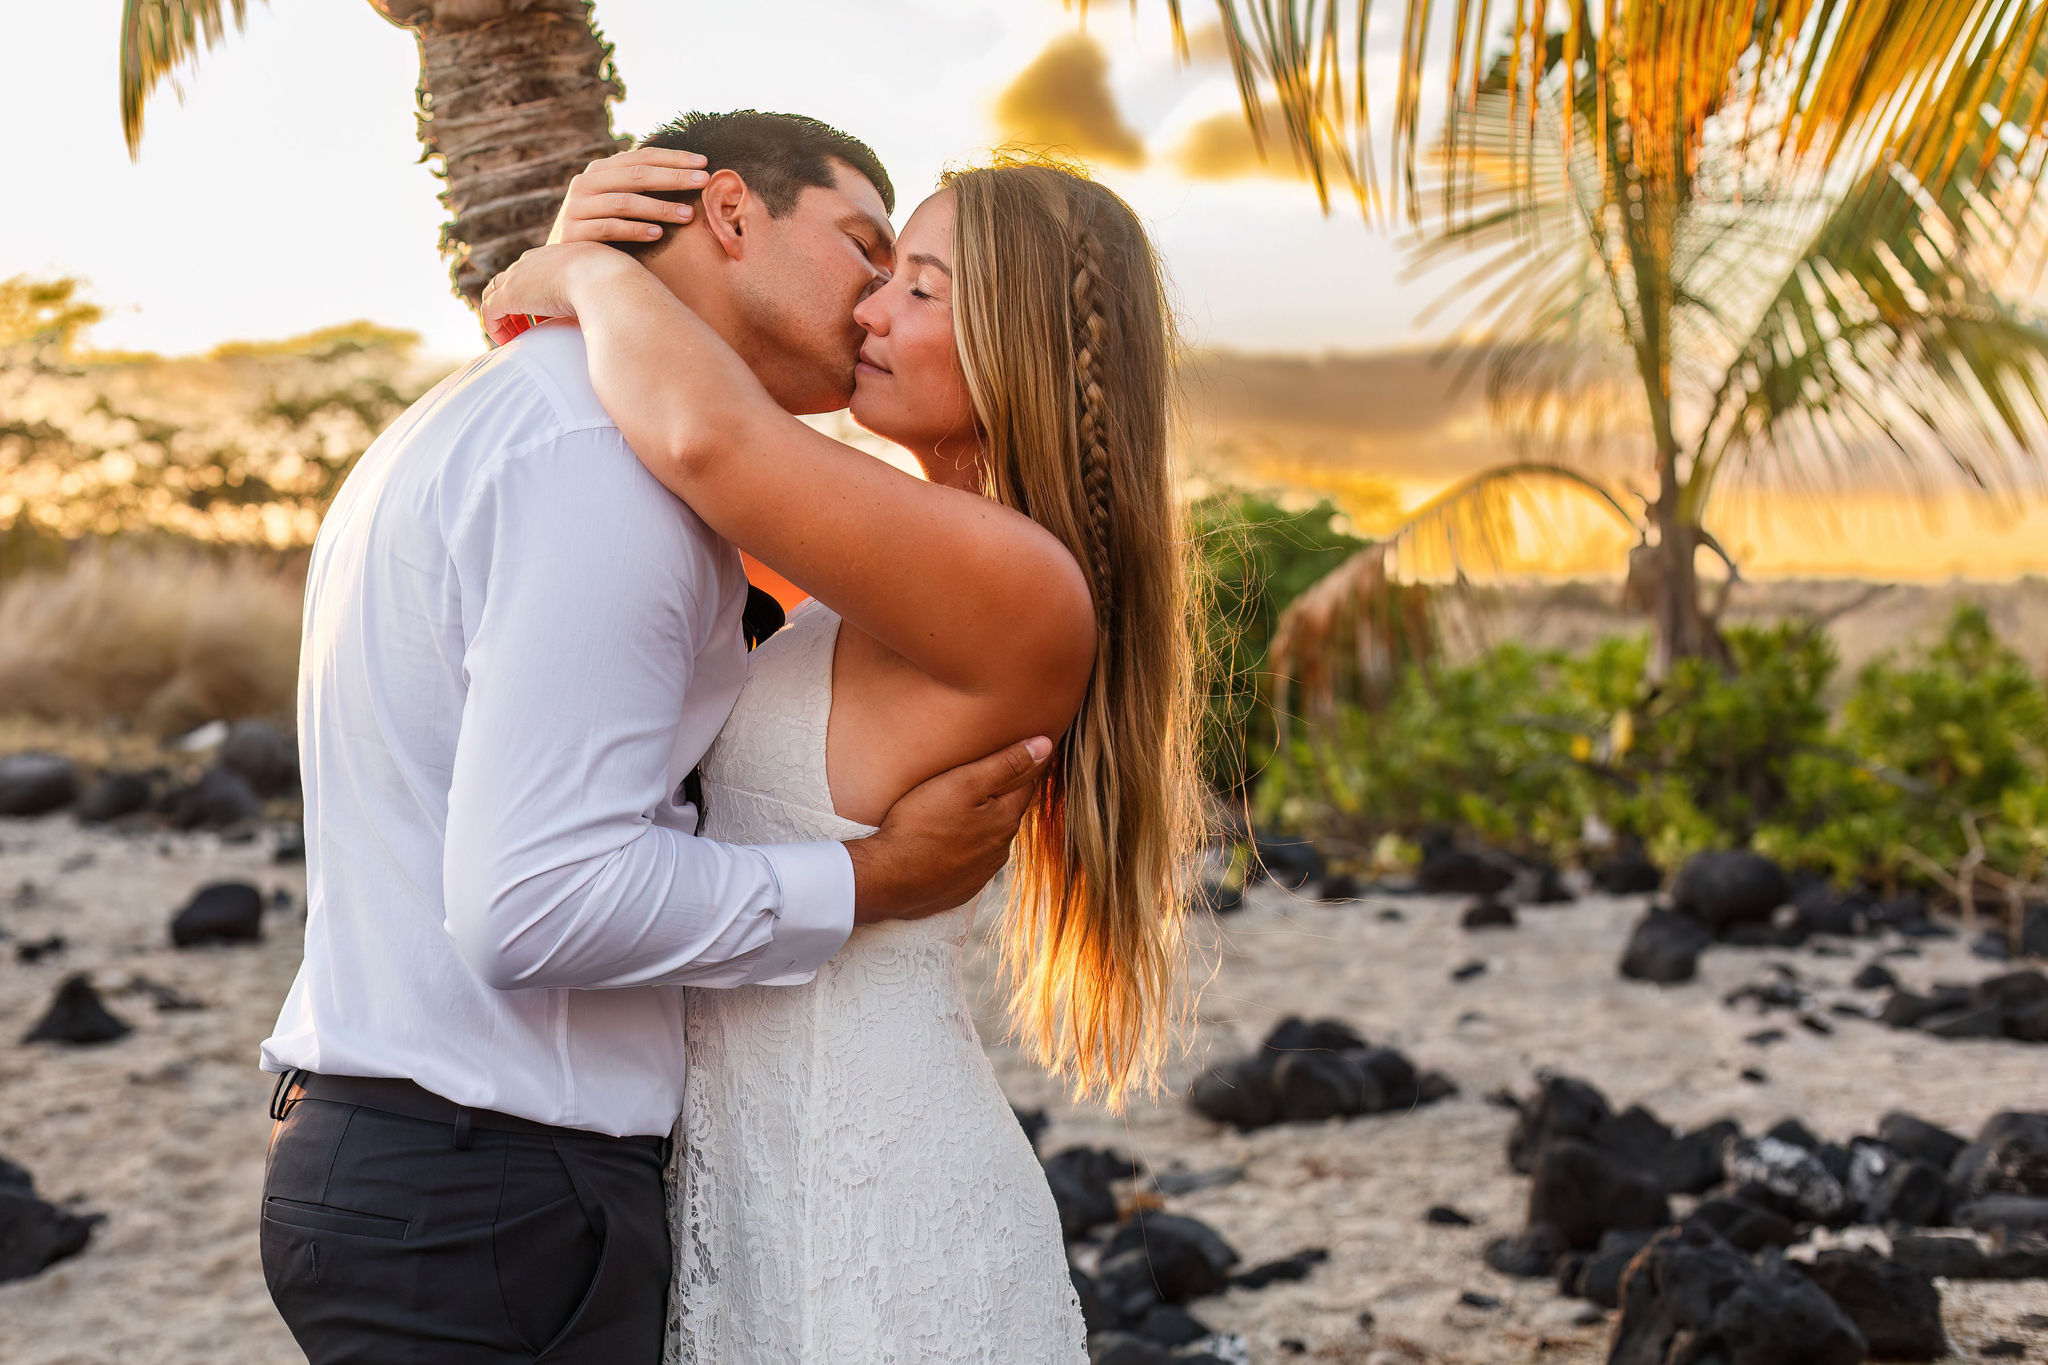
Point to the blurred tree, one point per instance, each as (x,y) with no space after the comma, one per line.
(246,445)
(514,98)
(1788,225)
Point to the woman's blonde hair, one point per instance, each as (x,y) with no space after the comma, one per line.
(1064,333)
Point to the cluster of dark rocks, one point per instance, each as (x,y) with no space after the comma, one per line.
(1602,1220)
(1306,1071)
(2010,1005)
(1450,866)
(1137,1269)
(253,762)
(219,913)
(35,1234)
(1741,898)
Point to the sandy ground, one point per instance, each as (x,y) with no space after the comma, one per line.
(163,1131)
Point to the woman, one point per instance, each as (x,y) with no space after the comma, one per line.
(853,1185)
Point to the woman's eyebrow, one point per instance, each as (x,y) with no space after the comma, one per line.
(923,258)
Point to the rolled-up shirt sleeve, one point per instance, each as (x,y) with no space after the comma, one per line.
(587,589)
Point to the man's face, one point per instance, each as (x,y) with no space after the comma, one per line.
(804,275)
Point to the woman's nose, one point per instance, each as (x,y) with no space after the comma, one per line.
(871,313)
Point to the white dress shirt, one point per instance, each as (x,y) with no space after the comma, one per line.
(517,645)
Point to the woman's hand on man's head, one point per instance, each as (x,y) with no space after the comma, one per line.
(613,199)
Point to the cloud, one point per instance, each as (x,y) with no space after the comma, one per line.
(1220,147)
(1063,100)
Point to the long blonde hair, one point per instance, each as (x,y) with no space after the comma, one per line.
(1064,332)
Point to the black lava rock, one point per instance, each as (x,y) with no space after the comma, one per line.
(1724,889)
(1171,1325)
(1563,1108)
(1597,1276)
(1450,870)
(1690,1297)
(1823,911)
(1583,1193)
(1080,1179)
(1791,1130)
(1964,1258)
(1309,1086)
(34,1235)
(1180,1258)
(36,784)
(77,1015)
(1549,887)
(1239,1093)
(1911,1194)
(1034,1122)
(1488,913)
(261,755)
(1746,1226)
(1628,872)
(1875,977)
(1531,1254)
(1972,1021)
(225,912)
(1665,948)
(1287,1268)
(1125,1348)
(1895,1307)
(2034,932)
(115,794)
(35,950)
(1309,1071)
(1795,1177)
(1443,1215)
(1292,863)
(1916,1137)
(217,800)
(1339,887)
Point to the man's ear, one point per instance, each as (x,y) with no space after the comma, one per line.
(728,209)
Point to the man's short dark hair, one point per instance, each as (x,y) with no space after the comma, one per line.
(778,155)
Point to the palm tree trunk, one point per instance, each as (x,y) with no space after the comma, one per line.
(1680,628)
(515,98)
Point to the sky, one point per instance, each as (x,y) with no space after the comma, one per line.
(285,192)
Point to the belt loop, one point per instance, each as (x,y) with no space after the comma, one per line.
(281,1100)
(667,1149)
(462,1129)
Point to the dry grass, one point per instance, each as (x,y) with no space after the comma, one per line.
(151,642)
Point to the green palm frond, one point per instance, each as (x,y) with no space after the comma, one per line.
(1839,79)
(1887,340)
(158,38)
(1501,519)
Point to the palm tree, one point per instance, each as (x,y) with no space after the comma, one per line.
(514,98)
(1786,227)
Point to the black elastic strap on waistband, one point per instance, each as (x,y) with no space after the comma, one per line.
(409,1100)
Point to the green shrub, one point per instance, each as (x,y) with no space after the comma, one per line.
(1519,747)
(1253,557)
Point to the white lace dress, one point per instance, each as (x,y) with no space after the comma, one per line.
(850,1185)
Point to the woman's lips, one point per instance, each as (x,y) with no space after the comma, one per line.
(866,366)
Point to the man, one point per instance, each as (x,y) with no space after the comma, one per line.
(518,645)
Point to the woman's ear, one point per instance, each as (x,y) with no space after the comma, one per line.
(726,208)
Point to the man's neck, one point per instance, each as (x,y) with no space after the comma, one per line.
(692,281)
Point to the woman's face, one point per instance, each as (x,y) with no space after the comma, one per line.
(909,386)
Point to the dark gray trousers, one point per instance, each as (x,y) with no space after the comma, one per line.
(405,1241)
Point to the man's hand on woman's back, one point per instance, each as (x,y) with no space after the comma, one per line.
(942,841)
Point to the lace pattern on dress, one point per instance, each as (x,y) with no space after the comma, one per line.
(849,1184)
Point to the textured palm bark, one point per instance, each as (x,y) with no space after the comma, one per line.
(515,98)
